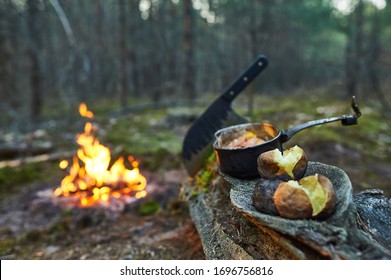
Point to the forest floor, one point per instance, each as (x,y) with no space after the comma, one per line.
(159,226)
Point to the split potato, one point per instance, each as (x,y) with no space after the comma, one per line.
(288,165)
(311,197)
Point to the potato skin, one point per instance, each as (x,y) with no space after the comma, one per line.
(263,196)
(300,167)
(292,203)
(268,167)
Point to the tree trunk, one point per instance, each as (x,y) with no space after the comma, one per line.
(373,62)
(132,51)
(173,58)
(350,71)
(188,48)
(75,52)
(231,228)
(359,38)
(98,79)
(8,46)
(159,33)
(354,50)
(254,28)
(122,84)
(36,79)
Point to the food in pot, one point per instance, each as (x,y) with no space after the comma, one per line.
(287,165)
(311,197)
(246,140)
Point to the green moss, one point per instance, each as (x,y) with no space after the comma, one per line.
(33,236)
(205,176)
(149,208)
(9,175)
(12,178)
(60,228)
(6,246)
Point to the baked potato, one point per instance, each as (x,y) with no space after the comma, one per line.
(311,197)
(290,164)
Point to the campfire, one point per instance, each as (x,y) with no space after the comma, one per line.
(92,181)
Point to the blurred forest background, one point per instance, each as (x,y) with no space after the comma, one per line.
(54,54)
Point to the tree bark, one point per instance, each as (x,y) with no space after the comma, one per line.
(122,82)
(132,51)
(36,76)
(350,73)
(254,28)
(354,50)
(75,51)
(8,48)
(98,76)
(373,61)
(159,33)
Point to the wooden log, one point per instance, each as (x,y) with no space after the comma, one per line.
(35,159)
(374,215)
(16,150)
(231,228)
(226,234)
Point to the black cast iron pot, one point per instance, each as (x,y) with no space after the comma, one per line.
(242,162)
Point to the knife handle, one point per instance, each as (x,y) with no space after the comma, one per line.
(245,79)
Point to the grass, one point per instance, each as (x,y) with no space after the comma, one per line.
(148,137)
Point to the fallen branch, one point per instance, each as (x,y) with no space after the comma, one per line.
(15,150)
(35,159)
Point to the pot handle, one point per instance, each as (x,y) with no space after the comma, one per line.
(345,120)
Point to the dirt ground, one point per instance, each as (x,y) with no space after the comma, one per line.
(32,227)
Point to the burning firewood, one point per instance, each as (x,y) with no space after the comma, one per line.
(91,180)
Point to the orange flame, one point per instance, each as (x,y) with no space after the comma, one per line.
(90,180)
(84,112)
